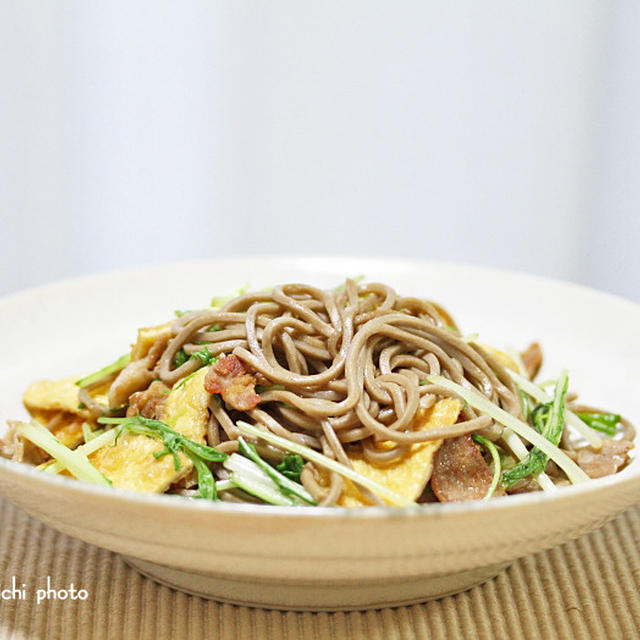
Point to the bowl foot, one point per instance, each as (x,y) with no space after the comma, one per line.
(311,596)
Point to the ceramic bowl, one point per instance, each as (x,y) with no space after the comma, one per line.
(319,558)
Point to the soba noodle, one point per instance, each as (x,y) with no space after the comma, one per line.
(338,371)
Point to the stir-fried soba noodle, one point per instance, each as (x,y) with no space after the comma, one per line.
(354,396)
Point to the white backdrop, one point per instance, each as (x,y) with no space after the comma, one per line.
(498,133)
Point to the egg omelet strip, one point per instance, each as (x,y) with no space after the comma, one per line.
(48,397)
(55,404)
(409,475)
(130,463)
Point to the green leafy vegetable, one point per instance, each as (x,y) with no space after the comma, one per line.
(324,461)
(497,462)
(605,422)
(291,466)
(540,415)
(520,451)
(114,367)
(180,358)
(88,434)
(575,474)
(287,487)
(259,490)
(537,393)
(224,485)
(76,461)
(174,442)
(205,356)
(249,477)
(525,402)
(102,440)
(549,421)
(206,481)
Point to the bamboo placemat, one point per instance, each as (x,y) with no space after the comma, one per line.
(588,588)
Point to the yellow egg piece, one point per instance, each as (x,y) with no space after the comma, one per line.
(146,337)
(44,399)
(62,394)
(409,475)
(130,463)
(59,395)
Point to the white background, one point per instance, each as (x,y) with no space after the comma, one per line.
(497,133)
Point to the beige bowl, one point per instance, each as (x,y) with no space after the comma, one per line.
(314,558)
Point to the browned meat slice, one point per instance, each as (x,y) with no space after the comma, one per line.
(229,378)
(460,472)
(608,460)
(532,359)
(137,375)
(148,403)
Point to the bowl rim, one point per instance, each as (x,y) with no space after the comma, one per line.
(398,261)
(627,476)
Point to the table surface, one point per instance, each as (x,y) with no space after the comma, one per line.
(588,588)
